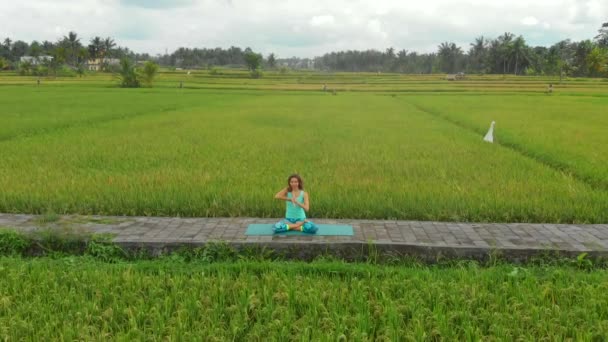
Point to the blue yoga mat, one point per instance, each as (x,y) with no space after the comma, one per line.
(324,229)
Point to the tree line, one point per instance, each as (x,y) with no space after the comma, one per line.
(67,51)
(506,54)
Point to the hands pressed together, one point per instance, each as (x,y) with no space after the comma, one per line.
(294,201)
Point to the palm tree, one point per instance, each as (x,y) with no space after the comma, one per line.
(35,49)
(390,59)
(390,53)
(7,47)
(96,47)
(505,47)
(108,45)
(83,55)
(402,60)
(602,37)
(72,42)
(449,54)
(47,46)
(518,50)
(272,60)
(564,51)
(477,53)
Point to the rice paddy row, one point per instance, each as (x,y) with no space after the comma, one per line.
(87,147)
(78,298)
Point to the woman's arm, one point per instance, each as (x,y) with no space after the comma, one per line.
(304,205)
(282,195)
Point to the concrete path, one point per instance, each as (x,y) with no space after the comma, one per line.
(420,238)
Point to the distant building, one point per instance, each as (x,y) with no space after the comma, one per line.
(35,60)
(455,77)
(97,64)
(297,63)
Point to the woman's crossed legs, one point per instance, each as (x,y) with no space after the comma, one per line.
(286,224)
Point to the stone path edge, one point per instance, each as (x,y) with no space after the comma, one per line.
(424,240)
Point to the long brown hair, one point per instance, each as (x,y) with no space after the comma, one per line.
(300,182)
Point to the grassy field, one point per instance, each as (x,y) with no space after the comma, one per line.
(565,132)
(80,299)
(387,146)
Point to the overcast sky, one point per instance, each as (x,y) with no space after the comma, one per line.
(301,28)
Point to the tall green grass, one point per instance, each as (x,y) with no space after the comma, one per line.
(396,146)
(226,154)
(81,299)
(30,111)
(563,131)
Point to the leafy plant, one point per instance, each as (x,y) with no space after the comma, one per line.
(101,247)
(12,243)
(128,75)
(149,73)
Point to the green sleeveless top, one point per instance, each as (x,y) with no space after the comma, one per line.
(293,211)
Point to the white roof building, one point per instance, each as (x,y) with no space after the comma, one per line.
(35,60)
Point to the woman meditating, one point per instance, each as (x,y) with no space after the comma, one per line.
(297,205)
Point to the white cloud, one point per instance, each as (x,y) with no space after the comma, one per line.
(322,20)
(375,28)
(529,21)
(306,29)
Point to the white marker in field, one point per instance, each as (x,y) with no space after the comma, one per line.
(490,135)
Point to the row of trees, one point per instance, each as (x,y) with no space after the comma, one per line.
(203,58)
(505,54)
(68,50)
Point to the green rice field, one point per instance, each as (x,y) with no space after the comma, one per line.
(78,298)
(385,146)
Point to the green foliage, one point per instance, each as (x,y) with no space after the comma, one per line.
(531,72)
(272,61)
(4,63)
(101,247)
(12,243)
(210,252)
(80,70)
(51,299)
(128,75)
(253,60)
(583,262)
(25,68)
(41,70)
(597,60)
(150,71)
(63,241)
(257,73)
(65,71)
